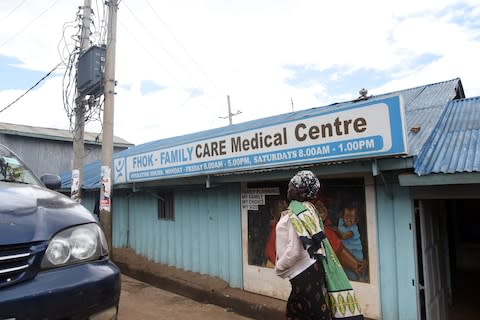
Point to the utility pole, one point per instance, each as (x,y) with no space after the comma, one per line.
(230,114)
(107,138)
(79,129)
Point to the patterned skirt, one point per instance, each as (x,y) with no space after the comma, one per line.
(307,299)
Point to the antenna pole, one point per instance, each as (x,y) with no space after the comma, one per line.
(230,114)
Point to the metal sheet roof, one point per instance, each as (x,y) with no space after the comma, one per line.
(423,107)
(56,134)
(454,145)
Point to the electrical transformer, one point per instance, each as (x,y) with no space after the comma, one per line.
(90,72)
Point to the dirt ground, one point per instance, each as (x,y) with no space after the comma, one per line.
(201,288)
(140,300)
(129,257)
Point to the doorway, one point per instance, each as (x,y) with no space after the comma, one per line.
(448,258)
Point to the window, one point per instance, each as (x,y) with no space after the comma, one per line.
(165,207)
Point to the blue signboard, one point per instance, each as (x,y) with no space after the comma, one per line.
(362,130)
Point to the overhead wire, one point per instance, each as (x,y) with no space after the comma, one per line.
(153,57)
(75,37)
(12,11)
(32,87)
(101,23)
(69,54)
(68,82)
(70,95)
(162,47)
(182,46)
(28,24)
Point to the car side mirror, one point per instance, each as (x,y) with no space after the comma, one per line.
(51,181)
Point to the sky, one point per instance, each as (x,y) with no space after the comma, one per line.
(177,61)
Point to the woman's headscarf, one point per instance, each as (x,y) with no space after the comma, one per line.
(306,184)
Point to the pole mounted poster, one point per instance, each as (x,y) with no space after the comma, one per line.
(369,129)
(106,187)
(75,188)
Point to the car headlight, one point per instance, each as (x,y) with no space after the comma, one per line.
(81,243)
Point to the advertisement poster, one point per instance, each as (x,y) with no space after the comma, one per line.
(74,192)
(105,189)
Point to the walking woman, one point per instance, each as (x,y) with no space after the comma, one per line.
(304,255)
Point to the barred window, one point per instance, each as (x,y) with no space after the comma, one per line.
(165,206)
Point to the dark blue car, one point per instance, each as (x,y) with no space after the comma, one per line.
(54,261)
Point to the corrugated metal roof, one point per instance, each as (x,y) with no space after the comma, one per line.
(91,176)
(56,134)
(423,106)
(454,145)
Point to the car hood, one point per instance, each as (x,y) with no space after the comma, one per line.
(31,213)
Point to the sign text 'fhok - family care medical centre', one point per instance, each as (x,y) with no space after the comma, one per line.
(369,129)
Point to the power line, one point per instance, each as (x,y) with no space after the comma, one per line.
(29,24)
(151,55)
(32,87)
(161,46)
(183,47)
(71,24)
(70,53)
(12,11)
(98,21)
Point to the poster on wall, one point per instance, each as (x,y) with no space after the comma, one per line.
(340,204)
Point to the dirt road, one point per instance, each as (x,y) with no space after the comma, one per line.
(141,301)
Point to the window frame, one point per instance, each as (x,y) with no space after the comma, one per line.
(166,205)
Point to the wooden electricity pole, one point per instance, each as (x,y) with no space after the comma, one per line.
(79,129)
(107,138)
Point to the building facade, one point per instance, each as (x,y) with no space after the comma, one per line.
(206,202)
(36,144)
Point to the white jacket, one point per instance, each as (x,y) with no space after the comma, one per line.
(292,258)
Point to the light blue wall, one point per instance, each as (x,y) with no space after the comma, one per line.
(396,251)
(88,200)
(120,214)
(205,236)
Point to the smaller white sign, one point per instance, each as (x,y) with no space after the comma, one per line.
(254,197)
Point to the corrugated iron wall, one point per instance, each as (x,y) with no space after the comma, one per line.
(35,151)
(205,236)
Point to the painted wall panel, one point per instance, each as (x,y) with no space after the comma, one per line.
(205,236)
(396,252)
(120,220)
(405,253)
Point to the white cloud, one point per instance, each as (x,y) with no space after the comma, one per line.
(241,48)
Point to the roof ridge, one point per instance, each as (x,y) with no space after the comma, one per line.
(421,86)
(50,132)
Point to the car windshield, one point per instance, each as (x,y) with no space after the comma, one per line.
(12,169)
